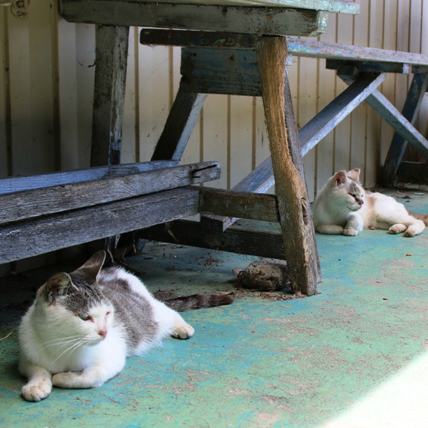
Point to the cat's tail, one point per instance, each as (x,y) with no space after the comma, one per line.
(423,217)
(198,301)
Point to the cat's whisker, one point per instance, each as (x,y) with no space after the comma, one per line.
(70,349)
(60,341)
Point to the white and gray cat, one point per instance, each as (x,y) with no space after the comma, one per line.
(83,325)
(344,207)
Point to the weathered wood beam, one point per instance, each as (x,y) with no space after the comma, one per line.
(18,184)
(325,121)
(34,203)
(239,204)
(33,237)
(234,19)
(235,240)
(293,201)
(220,71)
(398,146)
(109,94)
(179,125)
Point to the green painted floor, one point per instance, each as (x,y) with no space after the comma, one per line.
(344,358)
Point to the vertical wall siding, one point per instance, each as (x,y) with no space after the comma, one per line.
(46,84)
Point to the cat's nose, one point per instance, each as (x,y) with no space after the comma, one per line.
(103,332)
(360,202)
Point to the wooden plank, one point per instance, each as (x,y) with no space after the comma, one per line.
(33,237)
(17,184)
(220,71)
(410,111)
(253,20)
(337,110)
(109,94)
(196,39)
(336,6)
(239,204)
(234,239)
(315,49)
(293,203)
(34,203)
(179,125)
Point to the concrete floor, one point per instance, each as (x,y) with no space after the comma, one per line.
(355,355)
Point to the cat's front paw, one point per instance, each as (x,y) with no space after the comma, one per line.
(37,392)
(350,232)
(183,331)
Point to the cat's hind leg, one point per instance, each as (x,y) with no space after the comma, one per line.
(401,221)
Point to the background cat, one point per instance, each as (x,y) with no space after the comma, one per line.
(344,207)
(83,325)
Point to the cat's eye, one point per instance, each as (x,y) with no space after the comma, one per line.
(85,317)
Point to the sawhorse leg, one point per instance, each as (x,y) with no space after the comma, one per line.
(293,202)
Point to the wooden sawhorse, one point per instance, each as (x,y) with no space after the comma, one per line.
(268,24)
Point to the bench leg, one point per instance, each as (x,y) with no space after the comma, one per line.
(294,207)
(398,144)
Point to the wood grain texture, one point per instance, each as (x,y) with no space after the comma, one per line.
(109,95)
(292,197)
(220,71)
(239,204)
(235,19)
(234,239)
(33,237)
(18,184)
(34,203)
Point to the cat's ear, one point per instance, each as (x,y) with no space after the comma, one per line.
(340,178)
(92,267)
(354,174)
(56,287)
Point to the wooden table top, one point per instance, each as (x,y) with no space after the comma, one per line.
(259,17)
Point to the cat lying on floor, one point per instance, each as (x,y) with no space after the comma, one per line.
(83,325)
(344,207)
